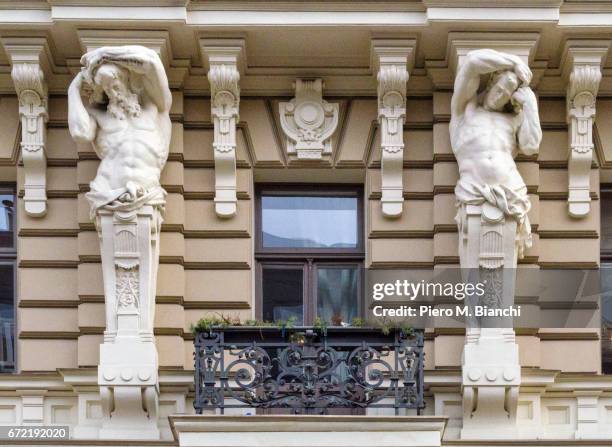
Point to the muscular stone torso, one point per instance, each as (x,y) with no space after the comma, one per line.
(484,143)
(129,149)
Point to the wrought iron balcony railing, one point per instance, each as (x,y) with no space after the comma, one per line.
(308,370)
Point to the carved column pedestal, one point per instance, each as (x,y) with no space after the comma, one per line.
(490,364)
(127,374)
(491,380)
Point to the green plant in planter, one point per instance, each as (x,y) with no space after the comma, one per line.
(385,325)
(206,324)
(321,325)
(359,322)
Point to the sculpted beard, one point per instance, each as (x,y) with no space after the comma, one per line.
(109,87)
(123,104)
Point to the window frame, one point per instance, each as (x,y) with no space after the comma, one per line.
(10,188)
(8,256)
(302,190)
(309,258)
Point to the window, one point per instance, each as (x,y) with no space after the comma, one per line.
(606,277)
(309,253)
(8,256)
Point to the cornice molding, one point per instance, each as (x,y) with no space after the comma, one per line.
(522,44)
(158,41)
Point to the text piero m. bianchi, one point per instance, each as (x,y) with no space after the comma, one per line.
(423,290)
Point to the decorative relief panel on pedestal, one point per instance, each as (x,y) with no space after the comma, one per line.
(28,55)
(582,66)
(308,121)
(392,57)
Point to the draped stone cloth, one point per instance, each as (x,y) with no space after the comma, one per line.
(513,203)
(109,200)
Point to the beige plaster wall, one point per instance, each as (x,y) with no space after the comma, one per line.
(206,263)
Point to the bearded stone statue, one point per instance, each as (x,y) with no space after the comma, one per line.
(127,120)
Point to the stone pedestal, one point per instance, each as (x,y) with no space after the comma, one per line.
(127,374)
(491,369)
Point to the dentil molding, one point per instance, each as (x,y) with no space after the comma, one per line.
(29,60)
(223,57)
(308,121)
(582,63)
(390,59)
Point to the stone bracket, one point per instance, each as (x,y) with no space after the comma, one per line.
(390,59)
(308,121)
(224,56)
(30,62)
(582,61)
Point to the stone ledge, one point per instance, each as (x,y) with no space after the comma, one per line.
(289,430)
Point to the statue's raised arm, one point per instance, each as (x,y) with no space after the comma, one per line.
(481,62)
(138,60)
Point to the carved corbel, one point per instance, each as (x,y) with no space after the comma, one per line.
(392,77)
(583,69)
(224,77)
(27,57)
(308,121)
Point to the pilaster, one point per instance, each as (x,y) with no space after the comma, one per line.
(587,414)
(29,61)
(391,59)
(582,61)
(32,402)
(127,374)
(224,59)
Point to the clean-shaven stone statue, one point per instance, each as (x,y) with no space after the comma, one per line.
(487,130)
(127,120)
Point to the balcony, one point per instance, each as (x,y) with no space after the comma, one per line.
(308,370)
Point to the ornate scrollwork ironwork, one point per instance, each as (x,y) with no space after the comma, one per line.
(308,370)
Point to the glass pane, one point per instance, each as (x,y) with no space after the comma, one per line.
(606,220)
(7,207)
(606,315)
(309,222)
(337,294)
(7,319)
(283,297)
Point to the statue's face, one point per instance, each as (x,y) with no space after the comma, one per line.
(113,80)
(500,91)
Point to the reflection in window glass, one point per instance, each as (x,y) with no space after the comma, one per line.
(7,206)
(605,273)
(283,298)
(7,319)
(309,222)
(337,294)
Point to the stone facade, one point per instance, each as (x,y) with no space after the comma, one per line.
(206,242)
